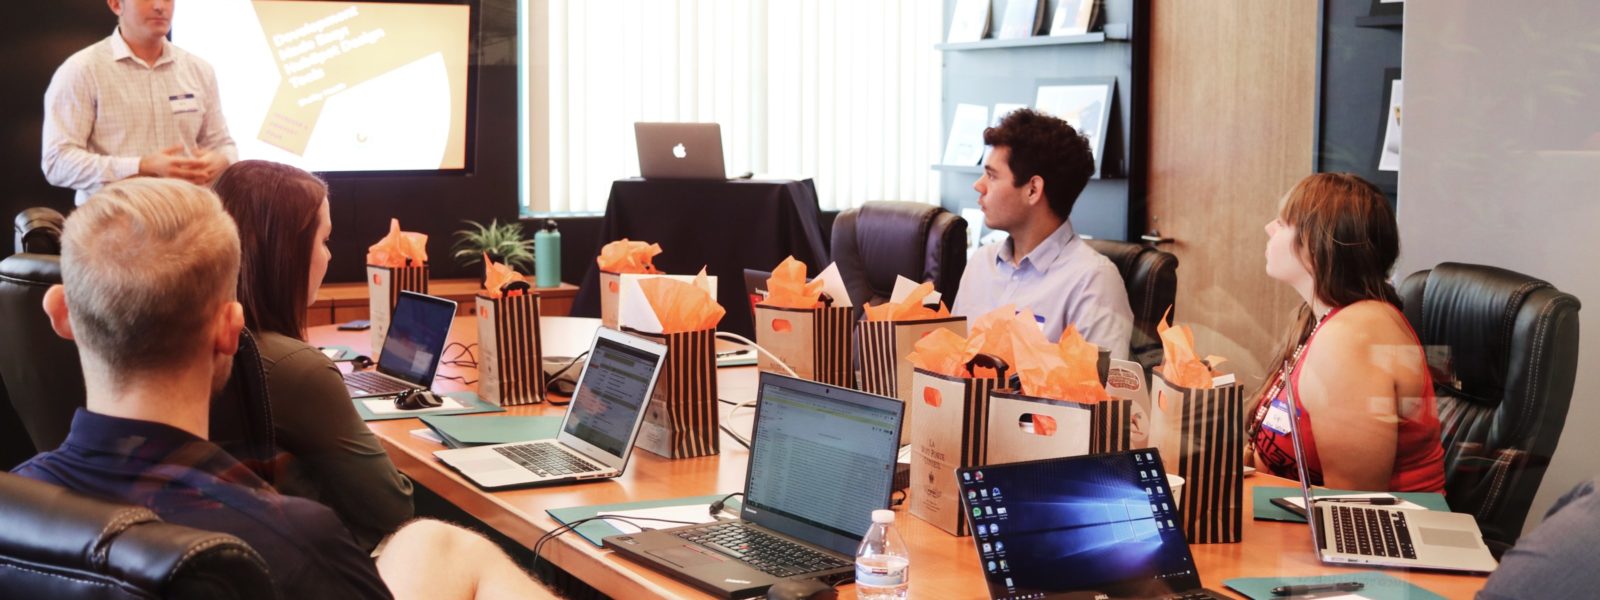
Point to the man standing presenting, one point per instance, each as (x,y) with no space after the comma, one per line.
(1030,182)
(134,104)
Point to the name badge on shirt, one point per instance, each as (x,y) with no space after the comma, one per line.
(1277,418)
(184,103)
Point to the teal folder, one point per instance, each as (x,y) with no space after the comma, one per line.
(473,403)
(1378,586)
(478,430)
(594,531)
(1264,510)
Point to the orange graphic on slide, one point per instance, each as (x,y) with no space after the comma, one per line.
(324,48)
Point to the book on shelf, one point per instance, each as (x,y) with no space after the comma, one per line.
(969,22)
(965,145)
(1073,17)
(1022,19)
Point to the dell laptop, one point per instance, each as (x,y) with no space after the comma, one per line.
(680,151)
(596,436)
(1346,533)
(822,458)
(1096,526)
(418,330)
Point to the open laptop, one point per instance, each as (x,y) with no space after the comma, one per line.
(680,151)
(821,460)
(1096,526)
(1344,532)
(596,436)
(418,329)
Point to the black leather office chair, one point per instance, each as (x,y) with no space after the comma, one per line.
(1151,277)
(1503,349)
(60,544)
(38,230)
(44,380)
(880,240)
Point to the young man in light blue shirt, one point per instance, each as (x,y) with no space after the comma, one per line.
(1030,181)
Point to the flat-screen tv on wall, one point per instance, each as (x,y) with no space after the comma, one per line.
(340,86)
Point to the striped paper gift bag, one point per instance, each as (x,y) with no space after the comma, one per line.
(682,419)
(953,426)
(1200,433)
(510,357)
(814,342)
(884,347)
(384,285)
(1025,428)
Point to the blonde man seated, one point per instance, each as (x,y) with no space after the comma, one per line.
(149,269)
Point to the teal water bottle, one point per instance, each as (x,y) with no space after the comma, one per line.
(547,255)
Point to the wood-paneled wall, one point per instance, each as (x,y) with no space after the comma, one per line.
(1232,98)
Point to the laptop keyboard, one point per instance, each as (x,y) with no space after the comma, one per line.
(770,554)
(546,460)
(375,384)
(1370,532)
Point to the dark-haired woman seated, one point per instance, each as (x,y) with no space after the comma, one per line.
(282,213)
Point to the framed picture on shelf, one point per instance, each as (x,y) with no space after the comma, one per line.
(1389,130)
(1387,7)
(1022,19)
(1083,102)
(1073,17)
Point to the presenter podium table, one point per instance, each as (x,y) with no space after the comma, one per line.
(724,226)
(943,565)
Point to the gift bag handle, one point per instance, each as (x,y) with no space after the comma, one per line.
(988,360)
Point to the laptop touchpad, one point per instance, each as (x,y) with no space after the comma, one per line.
(687,556)
(1449,537)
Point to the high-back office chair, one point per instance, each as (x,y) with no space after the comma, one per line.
(60,544)
(38,230)
(1503,349)
(1151,277)
(880,240)
(44,380)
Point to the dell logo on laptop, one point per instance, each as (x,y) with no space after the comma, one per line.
(678,151)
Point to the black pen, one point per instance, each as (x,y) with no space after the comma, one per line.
(1298,590)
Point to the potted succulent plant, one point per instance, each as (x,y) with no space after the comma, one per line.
(502,242)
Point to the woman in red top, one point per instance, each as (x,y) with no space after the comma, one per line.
(1365,399)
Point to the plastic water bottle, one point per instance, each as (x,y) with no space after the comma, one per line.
(883,565)
(547,256)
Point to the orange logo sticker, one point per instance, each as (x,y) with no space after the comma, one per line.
(782,326)
(932,397)
(377,279)
(614,287)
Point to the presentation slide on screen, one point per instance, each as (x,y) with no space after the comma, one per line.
(337,86)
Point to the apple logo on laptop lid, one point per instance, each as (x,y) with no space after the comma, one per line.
(678,151)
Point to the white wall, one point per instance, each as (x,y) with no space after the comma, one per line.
(1500,165)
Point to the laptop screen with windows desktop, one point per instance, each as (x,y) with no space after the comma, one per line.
(1104,523)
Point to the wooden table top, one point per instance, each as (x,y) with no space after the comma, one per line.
(944,566)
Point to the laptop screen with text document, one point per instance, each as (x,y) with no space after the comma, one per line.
(821,460)
(612,392)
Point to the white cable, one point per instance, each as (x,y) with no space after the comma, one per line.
(746,341)
(752,402)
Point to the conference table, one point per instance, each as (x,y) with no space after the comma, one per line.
(943,565)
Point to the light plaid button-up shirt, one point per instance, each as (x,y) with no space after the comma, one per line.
(105,108)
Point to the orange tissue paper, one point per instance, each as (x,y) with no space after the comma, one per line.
(399,248)
(787,288)
(624,256)
(910,309)
(943,352)
(497,276)
(1180,364)
(681,306)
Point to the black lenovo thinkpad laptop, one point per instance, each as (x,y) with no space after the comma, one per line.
(1097,526)
(822,458)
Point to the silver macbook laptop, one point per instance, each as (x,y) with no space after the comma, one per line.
(596,436)
(680,150)
(1343,532)
(821,460)
(418,330)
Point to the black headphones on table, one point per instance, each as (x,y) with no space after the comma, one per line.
(417,400)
